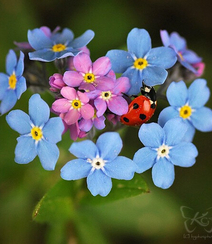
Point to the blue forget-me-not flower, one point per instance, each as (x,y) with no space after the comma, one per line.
(142,63)
(188,103)
(163,149)
(49,47)
(99,163)
(12,84)
(38,133)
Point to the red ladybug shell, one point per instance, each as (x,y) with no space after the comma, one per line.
(140,110)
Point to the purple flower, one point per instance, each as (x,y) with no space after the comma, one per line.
(142,63)
(112,99)
(89,76)
(97,122)
(185,56)
(50,46)
(12,84)
(56,82)
(74,105)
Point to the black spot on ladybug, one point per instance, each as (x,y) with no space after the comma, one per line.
(153,106)
(126,119)
(135,106)
(142,116)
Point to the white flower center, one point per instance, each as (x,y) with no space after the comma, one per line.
(163,151)
(97,163)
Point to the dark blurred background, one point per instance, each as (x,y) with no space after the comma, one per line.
(150,218)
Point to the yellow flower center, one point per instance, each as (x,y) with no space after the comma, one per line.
(12,81)
(36,133)
(76,104)
(140,63)
(185,111)
(89,78)
(58,47)
(106,95)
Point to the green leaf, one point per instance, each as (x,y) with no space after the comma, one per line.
(121,189)
(57,204)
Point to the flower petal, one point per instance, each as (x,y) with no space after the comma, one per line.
(8,102)
(109,145)
(121,168)
(118,105)
(163,173)
(82,63)
(165,38)
(20,86)
(175,130)
(71,116)
(101,106)
(48,154)
(38,40)
(43,55)
(120,60)
(177,94)
(53,130)
(135,76)
(198,93)
(25,150)
(144,158)
(3,84)
(151,135)
(138,42)
(202,119)
(20,65)
(83,40)
(61,105)
(122,85)
(183,154)
(19,121)
(153,75)
(11,61)
(75,169)
(163,57)
(90,150)
(101,66)
(167,114)
(72,78)
(177,41)
(69,93)
(87,111)
(38,110)
(99,183)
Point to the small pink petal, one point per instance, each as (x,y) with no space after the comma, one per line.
(85,124)
(68,92)
(87,111)
(104,83)
(82,63)
(101,66)
(61,105)
(101,106)
(99,122)
(71,116)
(83,97)
(72,78)
(118,105)
(122,85)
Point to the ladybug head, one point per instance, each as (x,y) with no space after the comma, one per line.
(149,92)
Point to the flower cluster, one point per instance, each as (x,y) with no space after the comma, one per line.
(90,97)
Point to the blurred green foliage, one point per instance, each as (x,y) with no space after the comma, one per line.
(150,218)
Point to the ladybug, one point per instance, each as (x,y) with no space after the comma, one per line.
(142,108)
